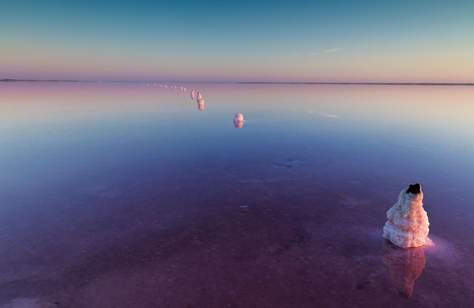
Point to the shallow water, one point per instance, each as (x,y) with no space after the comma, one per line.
(127,195)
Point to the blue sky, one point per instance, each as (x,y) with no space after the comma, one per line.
(239,40)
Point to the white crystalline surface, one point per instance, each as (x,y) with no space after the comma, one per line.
(407,224)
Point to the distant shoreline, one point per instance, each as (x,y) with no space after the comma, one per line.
(40,80)
(256,82)
(363,83)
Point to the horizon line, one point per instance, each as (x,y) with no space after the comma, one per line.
(381,83)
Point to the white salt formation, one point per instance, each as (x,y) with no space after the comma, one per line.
(239,117)
(193,94)
(239,120)
(407,224)
(199,96)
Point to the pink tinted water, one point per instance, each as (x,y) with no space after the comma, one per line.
(123,195)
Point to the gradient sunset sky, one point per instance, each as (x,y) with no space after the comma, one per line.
(380,41)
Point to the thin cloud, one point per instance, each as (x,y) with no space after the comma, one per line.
(324,51)
(329,115)
(331,50)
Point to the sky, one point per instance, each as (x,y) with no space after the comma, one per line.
(270,40)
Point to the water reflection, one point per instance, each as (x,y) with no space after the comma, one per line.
(405,266)
(63,132)
(201,104)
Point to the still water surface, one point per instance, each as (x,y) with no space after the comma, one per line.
(123,195)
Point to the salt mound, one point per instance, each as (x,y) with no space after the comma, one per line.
(199,96)
(239,117)
(407,224)
(239,120)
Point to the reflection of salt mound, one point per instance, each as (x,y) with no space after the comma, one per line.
(405,267)
(201,104)
(407,224)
